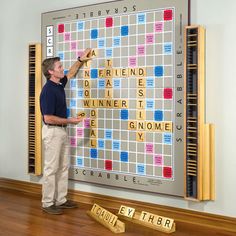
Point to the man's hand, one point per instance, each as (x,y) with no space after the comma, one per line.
(86,55)
(74,120)
(77,65)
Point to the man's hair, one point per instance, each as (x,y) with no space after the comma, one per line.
(48,64)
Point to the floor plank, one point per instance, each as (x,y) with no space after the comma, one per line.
(21,215)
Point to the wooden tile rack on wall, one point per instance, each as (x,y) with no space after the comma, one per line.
(199,137)
(34,116)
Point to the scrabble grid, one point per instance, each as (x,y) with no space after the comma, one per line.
(143,40)
(110,152)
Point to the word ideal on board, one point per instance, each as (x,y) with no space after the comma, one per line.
(106,218)
(147,219)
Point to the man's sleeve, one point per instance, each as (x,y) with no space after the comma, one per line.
(48,103)
(64,81)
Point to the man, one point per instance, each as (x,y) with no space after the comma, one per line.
(54,135)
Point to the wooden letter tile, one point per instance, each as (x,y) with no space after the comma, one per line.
(141,114)
(140,136)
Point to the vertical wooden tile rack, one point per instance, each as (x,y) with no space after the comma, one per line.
(34,115)
(199,137)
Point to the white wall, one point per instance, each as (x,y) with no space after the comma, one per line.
(20,24)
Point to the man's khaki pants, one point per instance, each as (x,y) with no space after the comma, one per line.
(56,165)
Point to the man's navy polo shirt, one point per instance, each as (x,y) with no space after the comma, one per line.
(53,99)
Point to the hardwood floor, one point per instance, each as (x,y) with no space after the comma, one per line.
(21,215)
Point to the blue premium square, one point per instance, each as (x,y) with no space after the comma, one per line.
(124,30)
(94,73)
(159,71)
(124,156)
(94,34)
(93,153)
(124,114)
(68,112)
(158,115)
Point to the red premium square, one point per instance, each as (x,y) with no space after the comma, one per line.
(108,164)
(168,93)
(109,22)
(167,172)
(168,15)
(61,28)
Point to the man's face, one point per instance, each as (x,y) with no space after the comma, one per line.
(58,71)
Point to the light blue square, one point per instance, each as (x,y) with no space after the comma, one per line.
(150,104)
(80,93)
(101,43)
(116,83)
(72,103)
(116,42)
(72,83)
(80,161)
(61,55)
(101,83)
(168,48)
(108,134)
(141,18)
(80,26)
(141,169)
(101,144)
(150,82)
(116,145)
(167,138)
(109,52)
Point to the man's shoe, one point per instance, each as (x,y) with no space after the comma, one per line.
(67,205)
(52,210)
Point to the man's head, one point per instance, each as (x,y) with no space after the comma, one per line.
(52,66)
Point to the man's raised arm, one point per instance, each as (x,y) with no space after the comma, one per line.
(77,65)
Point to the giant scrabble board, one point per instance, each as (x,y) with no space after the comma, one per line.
(131,91)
